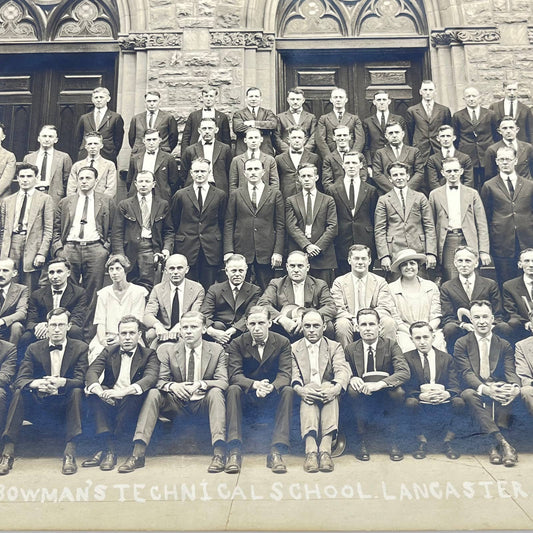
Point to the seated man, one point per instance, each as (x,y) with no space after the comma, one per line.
(49,382)
(259,370)
(286,297)
(486,367)
(130,370)
(8,367)
(379,370)
(360,288)
(226,304)
(432,391)
(13,303)
(169,300)
(192,380)
(524,368)
(320,374)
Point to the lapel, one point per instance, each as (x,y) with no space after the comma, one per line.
(159,160)
(115,361)
(209,197)
(302,358)
(465,200)
(55,163)
(442,199)
(318,202)
(104,120)
(92,123)
(395,202)
(253,349)
(309,291)
(67,358)
(165,292)
(179,354)
(36,203)
(380,355)
(493,354)
(363,192)
(518,188)
(344,197)
(419,369)
(503,188)
(216,150)
(267,191)
(369,290)
(287,289)
(376,122)
(323,357)
(227,294)
(421,112)
(11,297)
(359,360)
(243,191)
(156,207)
(290,118)
(136,208)
(270,347)
(47,362)
(301,204)
(288,160)
(439,366)
(11,205)
(137,361)
(242,296)
(350,294)
(187,295)
(337,157)
(73,200)
(206,357)
(409,201)
(98,203)
(193,198)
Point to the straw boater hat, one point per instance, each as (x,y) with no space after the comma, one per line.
(407,255)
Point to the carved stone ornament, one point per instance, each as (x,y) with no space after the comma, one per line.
(530,35)
(85,21)
(135,41)
(465,36)
(242,39)
(12,24)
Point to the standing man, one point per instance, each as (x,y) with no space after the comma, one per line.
(107,123)
(259,370)
(255,224)
(333,163)
(424,120)
(8,163)
(154,119)
(14,303)
(54,166)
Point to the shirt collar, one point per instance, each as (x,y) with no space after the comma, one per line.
(5,288)
(177,287)
(265,341)
(527,280)
(29,193)
(471,278)
(313,193)
(197,350)
(102,111)
(233,287)
(356,179)
(373,345)
(90,195)
(363,279)
(479,338)
(140,197)
(49,151)
(310,345)
(431,353)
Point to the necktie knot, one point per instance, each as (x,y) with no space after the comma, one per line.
(54,347)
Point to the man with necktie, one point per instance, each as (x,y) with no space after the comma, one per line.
(8,163)
(13,303)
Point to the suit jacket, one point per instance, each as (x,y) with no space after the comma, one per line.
(74,299)
(15,308)
(288,173)
(332,364)
(410,156)
(8,363)
(219,304)
(104,216)
(395,231)
(255,233)
(127,228)
(445,373)
(434,170)
(61,166)
(111,129)
(389,358)
(359,227)
(220,167)
(107,176)
(8,163)
(144,367)
(515,308)
(190,133)
(467,362)
(473,219)
(39,228)
(194,230)
(523,118)
(508,218)
(323,228)
(472,139)
(172,357)
(375,136)
(332,170)
(524,156)
(37,364)
(159,306)
(266,122)
(165,174)
(246,366)
(453,296)
(165,124)
(280,293)
(237,178)
(326,127)
(422,130)
(286,122)
(524,361)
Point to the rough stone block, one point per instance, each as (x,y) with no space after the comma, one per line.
(478,12)
(162,18)
(232,59)
(201,59)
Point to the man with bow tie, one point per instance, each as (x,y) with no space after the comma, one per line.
(130,371)
(49,390)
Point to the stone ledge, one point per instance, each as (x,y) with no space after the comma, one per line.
(456,36)
(244,39)
(140,41)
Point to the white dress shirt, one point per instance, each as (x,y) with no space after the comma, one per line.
(39,164)
(145,233)
(507,107)
(90,232)
(356,282)
(56,359)
(18,208)
(528,282)
(299,293)
(259,190)
(309,227)
(295,158)
(149,161)
(173,289)
(148,115)
(448,152)
(432,364)
(479,341)
(471,279)
(99,115)
(512,177)
(208,113)
(356,187)
(471,112)
(313,349)
(260,349)
(374,346)
(56,298)
(453,197)
(397,150)
(124,375)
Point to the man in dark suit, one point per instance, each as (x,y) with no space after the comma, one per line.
(13,303)
(291,158)
(486,367)
(327,124)
(311,221)
(49,382)
(108,124)
(378,370)
(197,220)
(432,391)
(254,116)
(259,371)
(142,232)
(190,135)
(161,164)
(208,147)
(476,129)
(226,304)
(295,116)
(424,120)
(155,119)
(129,371)
(333,163)
(355,201)
(393,152)
(255,224)
(8,369)
(508,201)
(510,106)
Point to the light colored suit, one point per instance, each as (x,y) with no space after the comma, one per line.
(236,172)
(8,163)
(107,176)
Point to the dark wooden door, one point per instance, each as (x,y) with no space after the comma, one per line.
(38,89)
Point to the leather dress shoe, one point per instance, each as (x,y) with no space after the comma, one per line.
(509,455)
(130,464)
(233,464)
(450,452)
(421,451)
(6,464)
(395,453)
(311,462)
(495,457)
(275,463)
(362,453)
(69,465)
(325,462)
(95,460)
(109,460)
(218,462)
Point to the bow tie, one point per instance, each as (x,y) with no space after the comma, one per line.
(258,343)
(57,293)
(151,152)
(53,347)
(452,187)
(129,354)
(297,151)
(208,142)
